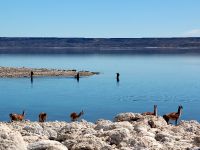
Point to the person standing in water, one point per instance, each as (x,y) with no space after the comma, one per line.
(117,77)
(77,77)
(31,76)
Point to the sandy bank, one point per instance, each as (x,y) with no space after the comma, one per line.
(102,135)
(11,72)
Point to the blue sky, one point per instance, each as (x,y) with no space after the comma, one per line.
(99,18)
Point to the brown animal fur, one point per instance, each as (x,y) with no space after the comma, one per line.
(74,116)
(154,113)
(17,117)
(173,116)
(42,117)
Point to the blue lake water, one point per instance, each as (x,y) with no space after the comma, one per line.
(145,80)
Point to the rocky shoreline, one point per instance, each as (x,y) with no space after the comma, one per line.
(128,131)
(12,72)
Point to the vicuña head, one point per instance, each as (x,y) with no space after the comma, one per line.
(17,117)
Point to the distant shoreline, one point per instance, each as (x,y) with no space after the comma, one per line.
(99,45)
(93,50)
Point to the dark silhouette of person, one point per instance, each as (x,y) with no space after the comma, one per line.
(31,76)
(77,77)
(117,77)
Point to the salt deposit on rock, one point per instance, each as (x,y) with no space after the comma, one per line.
(47,145)
(128,131)
(11,140)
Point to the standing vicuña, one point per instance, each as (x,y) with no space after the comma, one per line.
(17,117)
(155,111)
(174,115)
(74,116)
(42,117)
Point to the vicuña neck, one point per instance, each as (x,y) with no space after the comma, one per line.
(155,111)
(179,111)
(79,114)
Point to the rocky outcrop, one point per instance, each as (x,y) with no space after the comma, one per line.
(11,72)
(11,140)
(127,131)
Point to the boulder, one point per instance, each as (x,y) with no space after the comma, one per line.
(118,135)
(46,145)
(34,129)
(75,129)
(197,141)
(105,125)
(128,117)
(11,140)
(90,143)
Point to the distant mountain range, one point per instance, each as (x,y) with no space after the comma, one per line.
(99,45)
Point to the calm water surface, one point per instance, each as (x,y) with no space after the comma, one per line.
(165,80)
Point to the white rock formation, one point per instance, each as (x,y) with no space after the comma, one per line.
(129,131)
(47,145)
(10,140)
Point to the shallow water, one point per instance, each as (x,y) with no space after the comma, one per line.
(145,80)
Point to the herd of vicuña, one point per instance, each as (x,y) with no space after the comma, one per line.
(174,116)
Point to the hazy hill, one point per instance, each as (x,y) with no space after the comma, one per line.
(99,45)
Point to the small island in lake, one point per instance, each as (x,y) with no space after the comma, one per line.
(13,72)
